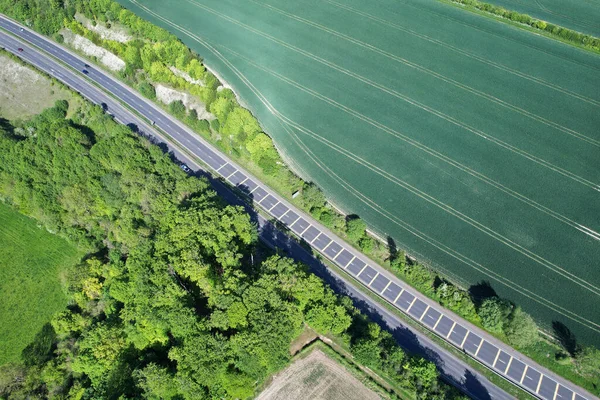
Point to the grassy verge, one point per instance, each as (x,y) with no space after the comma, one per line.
(31,263)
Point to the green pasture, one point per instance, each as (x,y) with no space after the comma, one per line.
(580,15)
(474,144)
(31,260)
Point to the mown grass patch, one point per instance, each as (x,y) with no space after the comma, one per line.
(31,261)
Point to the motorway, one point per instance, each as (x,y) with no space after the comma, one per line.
(492,353)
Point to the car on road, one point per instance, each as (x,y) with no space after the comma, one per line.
(185,168)
(86,65)
(85,71)
(20,49)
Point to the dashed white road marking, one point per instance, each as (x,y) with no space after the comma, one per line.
(424,312)
(451,329)
(411,304)
(524,373)
(437,322)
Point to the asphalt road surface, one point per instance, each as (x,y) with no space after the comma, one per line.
(495,355)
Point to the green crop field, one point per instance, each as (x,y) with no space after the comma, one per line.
(474,144)
(580,15)
(31,260)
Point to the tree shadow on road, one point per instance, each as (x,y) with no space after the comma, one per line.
(474,388)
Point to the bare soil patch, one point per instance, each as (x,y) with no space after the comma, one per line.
(168,95)
(24,92)
(88,48)
(316,377)
(116,32)
(186,76)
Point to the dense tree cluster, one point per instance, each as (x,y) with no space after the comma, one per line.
(173,300)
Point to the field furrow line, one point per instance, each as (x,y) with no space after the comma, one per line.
(407,139)
(407,99)
(456,213)
(534,297)
(447,250)
(437,75)
(473,55)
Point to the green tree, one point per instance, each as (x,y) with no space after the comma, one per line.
(521,330)
(177,108)
(493,313)
(157,383)
(147,90)
(355,229)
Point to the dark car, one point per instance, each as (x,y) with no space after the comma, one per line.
(20,49)
(85,71)
(86,65)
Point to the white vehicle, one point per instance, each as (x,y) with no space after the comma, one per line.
(185,168)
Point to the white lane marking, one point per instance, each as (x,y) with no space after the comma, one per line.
(305,229)
(496,358)
(397,297)
(316,237)
(218,169)
(508,364)
(479,347)
(524,373)
(437,322)
(363,268)
(537,389)
(464,340)
(573,396)
(242,182)
(373,280)
(294,221)
(254,188)
(349,262)
(326,247)
(411,304)
(424,312)
(555,391)
(386,286)
(234,171)
(274,205)
(450,331)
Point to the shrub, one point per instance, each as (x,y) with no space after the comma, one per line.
(521,330)
(355,228)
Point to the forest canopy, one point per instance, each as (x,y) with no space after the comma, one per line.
(175,298)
